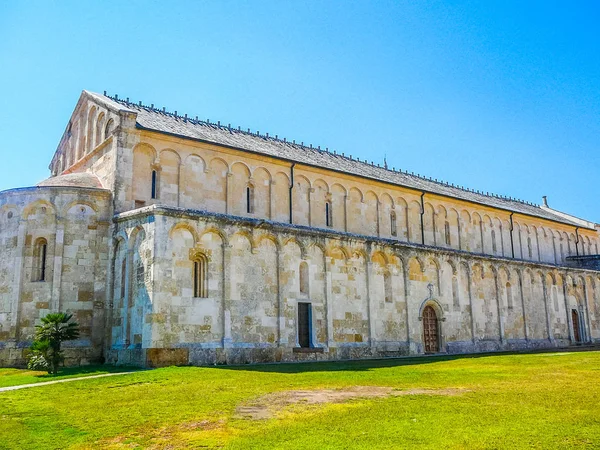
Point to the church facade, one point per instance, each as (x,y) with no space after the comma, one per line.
(179,241)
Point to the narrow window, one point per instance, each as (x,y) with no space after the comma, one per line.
(154,184)
(39,254)
(393,226)
(494,248)
(455,298)
(304,278)
(387,286)
(328,214)
(304,328)
(250,199)
(200,277)
(123,276)
(509,296)
(529,247)
(447,232)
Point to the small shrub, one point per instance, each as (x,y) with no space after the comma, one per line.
(46,353)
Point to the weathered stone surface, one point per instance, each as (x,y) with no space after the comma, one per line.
(174,250)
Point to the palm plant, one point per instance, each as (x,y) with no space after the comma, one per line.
(55,329)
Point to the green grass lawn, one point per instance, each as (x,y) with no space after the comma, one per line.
(546,400)
(15,377)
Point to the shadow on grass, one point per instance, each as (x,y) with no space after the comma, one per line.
(368,364)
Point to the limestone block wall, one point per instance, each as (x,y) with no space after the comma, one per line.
(207,177)
(366,295)
(53,257)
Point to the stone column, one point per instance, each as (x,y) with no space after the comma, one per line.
(587,313)
(18,278)
(470,292)
(310,192)
(545,293)
(328,301)
(280,317)
(57,268)
(377,206)
(500,316)
(567,309)
(226,298)
(346,213)
(228,192)
(270,211)
(525,328)
(368,274)
(406,300)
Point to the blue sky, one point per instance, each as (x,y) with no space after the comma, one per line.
(498,96)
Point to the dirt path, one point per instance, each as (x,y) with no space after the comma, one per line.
(64,380)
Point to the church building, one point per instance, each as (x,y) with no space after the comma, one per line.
(174,240)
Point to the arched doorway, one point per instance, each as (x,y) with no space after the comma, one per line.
(431,338)
(576,330)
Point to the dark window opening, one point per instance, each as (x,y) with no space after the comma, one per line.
(576,328)
(40,254)
(250,200)
(447,232)
(153,195)
(304,328)
(393,226)
(123,276)
(328,214)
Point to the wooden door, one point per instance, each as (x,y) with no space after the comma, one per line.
(575,319)
(304,325)
(430,331)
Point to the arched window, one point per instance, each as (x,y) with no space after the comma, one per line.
(509,296)
(304,286)
(39,254)
(99,123)
(328,214)
(447,233)
(387,286)
(108,129)
(529,247)
(393,226)
(200,276)
(494,247)
(250,199)
(154,184)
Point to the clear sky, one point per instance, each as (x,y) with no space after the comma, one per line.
(500,96)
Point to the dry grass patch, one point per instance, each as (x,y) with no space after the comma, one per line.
(267,406)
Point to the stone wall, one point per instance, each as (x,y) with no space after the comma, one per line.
(73,224)
(206,177)
(367,295)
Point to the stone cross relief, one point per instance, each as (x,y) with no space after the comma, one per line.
(430,289)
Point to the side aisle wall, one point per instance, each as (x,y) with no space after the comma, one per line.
(367,296)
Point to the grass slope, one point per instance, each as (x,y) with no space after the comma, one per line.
(547,400)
